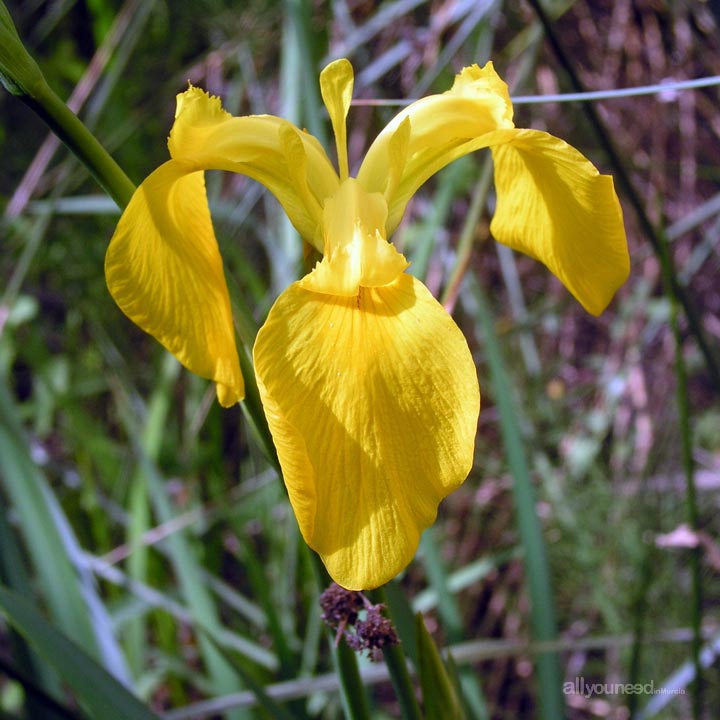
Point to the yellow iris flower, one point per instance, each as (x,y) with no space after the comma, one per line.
(368,385)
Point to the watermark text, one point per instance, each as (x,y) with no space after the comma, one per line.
(592,689)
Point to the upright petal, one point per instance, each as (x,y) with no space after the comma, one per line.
(336,85)
(432,132)
(164,270)
(286,160)
(553,205)
(373,403)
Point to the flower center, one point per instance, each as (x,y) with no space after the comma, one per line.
(356,252)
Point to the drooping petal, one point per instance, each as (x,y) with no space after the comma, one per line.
(164,270)
(286,160)
(554,205)
(432,132)
(373,404)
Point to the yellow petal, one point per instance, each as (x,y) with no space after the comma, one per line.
(441,129)
(356,252)
(336,86)
(264,147)
(373,404)
(553,205)
(164,270)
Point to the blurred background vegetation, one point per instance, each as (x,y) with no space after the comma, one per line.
(144,521)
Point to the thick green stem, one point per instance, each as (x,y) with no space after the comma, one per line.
(22,77)
(67,126)
(253,410)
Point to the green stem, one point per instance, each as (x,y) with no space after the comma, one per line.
(68,127)
(253,410)
(399,675)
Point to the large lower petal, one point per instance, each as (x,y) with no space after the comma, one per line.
(373,403)
(164,270)
(553,205)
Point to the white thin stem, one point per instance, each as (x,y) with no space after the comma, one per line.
(666,89)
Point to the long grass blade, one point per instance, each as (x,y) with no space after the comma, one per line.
(536,564)
(199,600)
(440,699)
(41,686)
(397,665)
(99,691)
(68,590)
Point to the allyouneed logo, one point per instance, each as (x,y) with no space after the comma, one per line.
(580,687)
